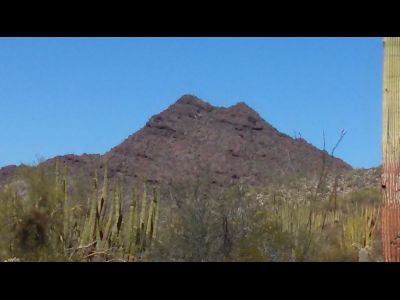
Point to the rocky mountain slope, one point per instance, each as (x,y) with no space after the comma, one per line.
(193,138)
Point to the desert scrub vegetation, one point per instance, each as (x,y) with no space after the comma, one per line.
(290,220)
(54,216)
(53,221)
(183,221)
(201,223)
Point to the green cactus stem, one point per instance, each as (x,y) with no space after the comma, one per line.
(390,212)
(157,214)
(66,216)
(150,220)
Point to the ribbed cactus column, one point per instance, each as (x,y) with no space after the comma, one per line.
(390,211)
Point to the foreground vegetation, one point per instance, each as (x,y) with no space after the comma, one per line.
(234,225)
(56,221)
(56,217)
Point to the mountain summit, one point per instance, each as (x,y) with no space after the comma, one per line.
(192,137)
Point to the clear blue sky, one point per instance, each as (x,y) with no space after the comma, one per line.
(73,95)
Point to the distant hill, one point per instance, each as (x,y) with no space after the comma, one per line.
(192,138)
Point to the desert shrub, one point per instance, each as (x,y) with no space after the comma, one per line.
(198,220)
(201,222)
(29,221)
(60,219)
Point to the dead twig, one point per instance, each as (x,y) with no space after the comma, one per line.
(74,250)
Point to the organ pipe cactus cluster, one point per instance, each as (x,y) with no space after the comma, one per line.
(102,232)
(105,235)
(353,229)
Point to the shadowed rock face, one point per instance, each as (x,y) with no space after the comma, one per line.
(192,137)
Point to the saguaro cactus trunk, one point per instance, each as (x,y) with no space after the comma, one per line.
(390,211)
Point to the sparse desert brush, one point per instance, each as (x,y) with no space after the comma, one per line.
(61,219)
(27,220)
(328,231)
(330,253)
(55,222)
(195,223)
